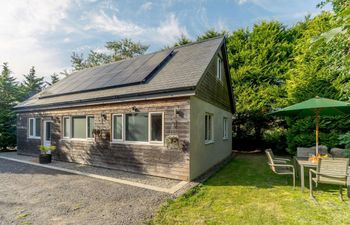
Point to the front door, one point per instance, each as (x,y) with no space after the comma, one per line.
(47,133)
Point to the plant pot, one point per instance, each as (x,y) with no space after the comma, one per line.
(45,158)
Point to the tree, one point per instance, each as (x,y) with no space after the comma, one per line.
(32,84)
(8,98)
(259,61)
(182,40)
(54,79)
(119,50)
(125,49)
(211,33)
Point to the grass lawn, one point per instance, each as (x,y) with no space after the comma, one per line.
(246,191)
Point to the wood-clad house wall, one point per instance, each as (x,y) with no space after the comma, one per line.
(212,90)
(150,159)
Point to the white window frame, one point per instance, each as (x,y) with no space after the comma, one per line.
(150,127)
(124,129)
(225,128)
(118,140)
(87,127)
(148,142)
(211,140)
(34,128)
(70,127)
(219,68)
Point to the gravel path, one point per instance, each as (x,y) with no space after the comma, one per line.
(134,177)
(35,195)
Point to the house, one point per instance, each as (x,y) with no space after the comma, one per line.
(167,113)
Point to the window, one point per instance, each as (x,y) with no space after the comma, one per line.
(47,131)
(156,127)
(136,127)
(90,126)
(225,128)
(117,127)
(209,128)
(79,127)
(66,127)
(219,68)
(34,127)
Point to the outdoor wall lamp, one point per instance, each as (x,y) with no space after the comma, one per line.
(134,109)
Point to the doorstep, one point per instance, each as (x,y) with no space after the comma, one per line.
(159,184)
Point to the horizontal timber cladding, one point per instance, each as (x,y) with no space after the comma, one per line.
(150,159)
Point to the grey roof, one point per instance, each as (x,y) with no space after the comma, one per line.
(179,74)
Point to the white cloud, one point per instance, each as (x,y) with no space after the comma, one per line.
(23,24)
(147,6)
(166,33)
(113,24)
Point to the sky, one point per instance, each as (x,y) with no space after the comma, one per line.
(45,33)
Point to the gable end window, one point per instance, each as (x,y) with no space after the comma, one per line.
(219,68)
(34,128)
(209,133)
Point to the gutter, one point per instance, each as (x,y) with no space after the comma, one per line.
(150,95)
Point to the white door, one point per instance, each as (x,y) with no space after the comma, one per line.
(47,133)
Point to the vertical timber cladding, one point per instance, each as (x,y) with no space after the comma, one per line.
(141,158)
(212,90)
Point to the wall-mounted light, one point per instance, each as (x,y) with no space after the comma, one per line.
(134,109)
(104,116)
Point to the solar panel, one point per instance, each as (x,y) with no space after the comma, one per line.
(126,72)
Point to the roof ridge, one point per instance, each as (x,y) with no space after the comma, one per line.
(151,53)
(199,42)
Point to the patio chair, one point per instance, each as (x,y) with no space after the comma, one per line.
(303,152)
(338,153)
(277,159)
(330,171)
(322,149)
(280,167)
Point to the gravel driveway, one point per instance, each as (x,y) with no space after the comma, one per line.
(40,196)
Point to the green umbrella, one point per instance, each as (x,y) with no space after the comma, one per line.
(315,107)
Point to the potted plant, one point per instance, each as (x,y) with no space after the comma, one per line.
(45,154)
(172,141)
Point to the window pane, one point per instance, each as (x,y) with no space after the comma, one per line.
(48,131)
(79,127)
(91,125)
(31,127)
(117,126)
(136,127)
(156,127)
(225,127)
(209,129)
(206,128)
(66,127)
(37,127)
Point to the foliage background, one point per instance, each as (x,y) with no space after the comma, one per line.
(271,65)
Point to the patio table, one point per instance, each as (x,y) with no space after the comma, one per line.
(304,162)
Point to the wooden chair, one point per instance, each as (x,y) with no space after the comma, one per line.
(280,167)
(330,171)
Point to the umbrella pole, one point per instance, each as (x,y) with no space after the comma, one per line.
(317,122)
